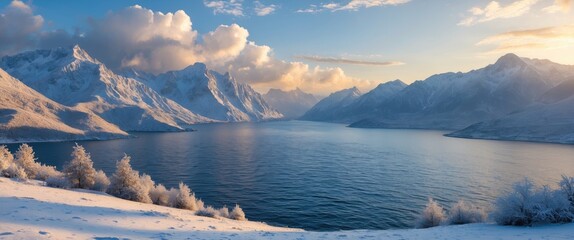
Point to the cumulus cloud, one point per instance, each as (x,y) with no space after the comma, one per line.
(18,27)
(231,7)
(349,61)
(559,6)
(494,10)
(264,10)
(530,39)
(136,37)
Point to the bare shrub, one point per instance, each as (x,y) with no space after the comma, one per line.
(237,213)
(464,213)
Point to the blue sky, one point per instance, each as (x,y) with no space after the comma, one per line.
(369,41)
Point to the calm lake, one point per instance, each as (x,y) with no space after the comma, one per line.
(321,176)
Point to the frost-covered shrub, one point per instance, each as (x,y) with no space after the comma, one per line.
(126,184)
(237,213)
(58,182)
(147,183)
(567,187)
(432,216)
(208,211)
(26,160)
(45,172)
(6,158)
(516,207)
(200,204)
(159,195)
(184,198)
(464,213)
(224,212)
(15,171)
(101,182)
(551,206)
(80,170)
(526,205)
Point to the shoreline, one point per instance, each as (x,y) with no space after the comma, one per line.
(32,211)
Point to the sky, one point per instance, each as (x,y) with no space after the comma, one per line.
(318,46)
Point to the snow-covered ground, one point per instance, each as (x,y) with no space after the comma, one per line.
(31,211)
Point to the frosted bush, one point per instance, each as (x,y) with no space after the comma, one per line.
(551,207)
(516,207)
(101,182)
(526,205)
(125,183)
(184,198)
(567,187)
(464,213)
(224,212)
(159,195)
(432,216)
(15,171)
(26,160)
(45,172)
(6,158)
(237,214)
(80,170)
(58,182)
(208,211)
(147,183)
(200,204)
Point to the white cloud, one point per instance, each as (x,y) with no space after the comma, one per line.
(231,7)
(349,61)
(494,10)
(18,27)
(264,10)
(357,4)
(352,5)
(530,39)
(559,6)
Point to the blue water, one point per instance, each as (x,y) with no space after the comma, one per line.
(321,176)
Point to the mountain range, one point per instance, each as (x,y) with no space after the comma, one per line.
(292,104)
(138,101)
(491,102)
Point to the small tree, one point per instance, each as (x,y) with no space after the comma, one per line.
(185,199)
(80,170)
(237,213)
(432,216)
(126,184)
(25,158)
(6,158)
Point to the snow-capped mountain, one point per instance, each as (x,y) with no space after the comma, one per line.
(457,100)
(550,119)
(210,94)
(292,104)
(328,108)
(73,78)
(26,115)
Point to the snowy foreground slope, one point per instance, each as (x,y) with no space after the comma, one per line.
(30,211)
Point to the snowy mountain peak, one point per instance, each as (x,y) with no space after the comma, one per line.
(510,60)
(82,55)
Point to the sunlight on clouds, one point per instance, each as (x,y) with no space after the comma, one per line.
(494,10)
(349,61)
(531,39)
(559,6)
